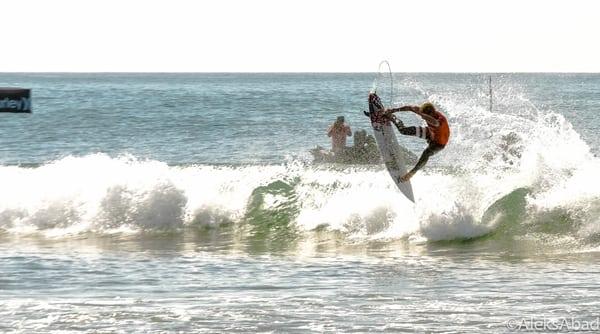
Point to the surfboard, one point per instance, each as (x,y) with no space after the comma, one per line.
(392,154)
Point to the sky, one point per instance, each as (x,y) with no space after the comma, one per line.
(299,35)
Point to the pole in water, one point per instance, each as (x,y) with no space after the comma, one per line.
(490,83)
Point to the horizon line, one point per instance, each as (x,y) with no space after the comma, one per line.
(293,72)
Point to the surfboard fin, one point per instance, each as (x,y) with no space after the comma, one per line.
(368,114)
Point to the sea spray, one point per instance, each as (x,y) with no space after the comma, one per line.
(517,157)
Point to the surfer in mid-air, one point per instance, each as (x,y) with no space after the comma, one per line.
(436,132)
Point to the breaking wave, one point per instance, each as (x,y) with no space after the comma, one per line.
(514,173)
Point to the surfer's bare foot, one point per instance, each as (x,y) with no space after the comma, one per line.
(406,177)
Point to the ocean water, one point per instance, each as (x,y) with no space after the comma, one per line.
(159,203)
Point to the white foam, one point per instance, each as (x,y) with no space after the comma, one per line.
(498,152)
(490,154)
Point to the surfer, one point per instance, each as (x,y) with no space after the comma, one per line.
(436,132)
(338,132)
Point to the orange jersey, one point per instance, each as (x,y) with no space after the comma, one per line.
(440,133)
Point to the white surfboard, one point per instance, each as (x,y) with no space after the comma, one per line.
(394,157)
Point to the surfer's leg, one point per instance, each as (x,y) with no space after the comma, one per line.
(432,149)
(416,131)
(422,160)
(398,123)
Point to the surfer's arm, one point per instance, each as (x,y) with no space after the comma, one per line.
(404,108)
(390,111)
(429,119)
(417,110)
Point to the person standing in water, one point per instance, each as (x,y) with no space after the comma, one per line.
(436,133)
(338,132)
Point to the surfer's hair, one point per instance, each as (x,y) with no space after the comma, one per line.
(427,108)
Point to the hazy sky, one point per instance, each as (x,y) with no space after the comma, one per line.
(300,35)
